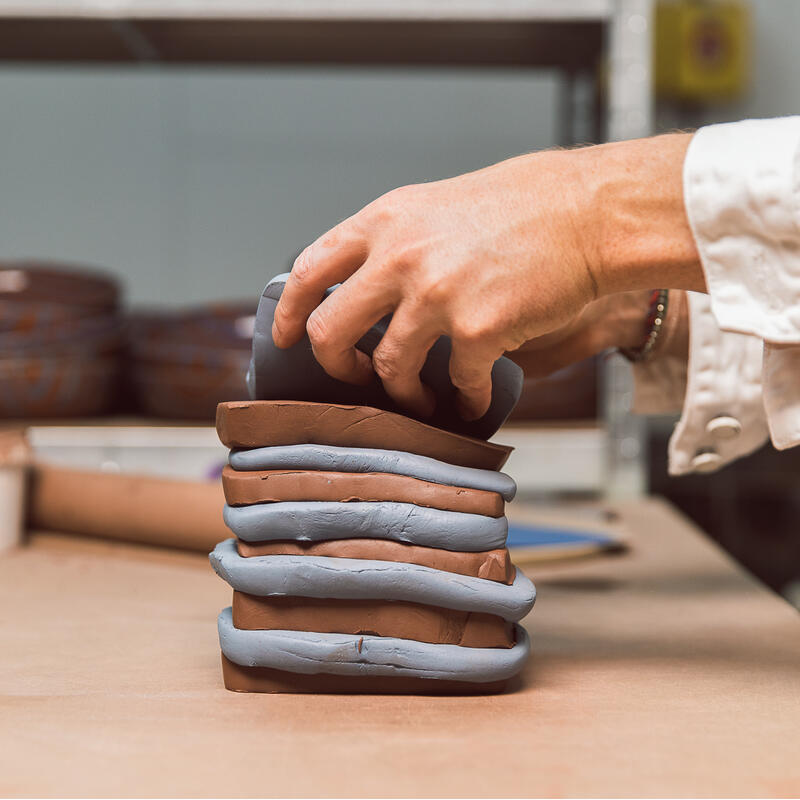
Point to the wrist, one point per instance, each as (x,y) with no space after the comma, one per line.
(674,342)
(638,234)
(631,325)
(626,321)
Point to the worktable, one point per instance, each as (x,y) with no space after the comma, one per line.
(666,671)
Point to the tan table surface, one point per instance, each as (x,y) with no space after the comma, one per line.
(664,672)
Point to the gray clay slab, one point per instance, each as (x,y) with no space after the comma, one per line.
(363,459)
(294,373)
(314,521)
(344,654)
(365,579)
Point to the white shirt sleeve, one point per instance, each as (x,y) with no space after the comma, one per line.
(742,196)
(716,386)
(723,411)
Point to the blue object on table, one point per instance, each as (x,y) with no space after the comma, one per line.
(551,542)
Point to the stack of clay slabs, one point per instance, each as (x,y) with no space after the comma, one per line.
(369,555)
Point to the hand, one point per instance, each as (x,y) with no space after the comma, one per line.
(493,259)
(613,321)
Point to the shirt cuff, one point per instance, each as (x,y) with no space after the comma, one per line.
(742,196)
(781,378)
(723,412)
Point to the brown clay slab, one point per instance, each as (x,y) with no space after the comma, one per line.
(264,423)
(269,486)
(400,620)
(493,565)
(276,681)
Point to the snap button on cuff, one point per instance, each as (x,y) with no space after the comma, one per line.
(706,461)
(724,427)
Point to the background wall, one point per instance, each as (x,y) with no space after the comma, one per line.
(195,184)
(775,84)
(776,65)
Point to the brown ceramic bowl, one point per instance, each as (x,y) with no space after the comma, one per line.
(57,387)
(186,392)
(182,365)
(91,334)
(60,339)
(66,286)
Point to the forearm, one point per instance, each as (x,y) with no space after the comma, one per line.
(638,233)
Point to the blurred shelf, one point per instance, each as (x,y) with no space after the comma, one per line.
(144,447)
(546,458)
(511,33)
(557,458)
(313,9)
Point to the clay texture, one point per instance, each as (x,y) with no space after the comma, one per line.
(492,565)
(244,424)
(271,486)
(402,522)
(275,681)
(362,459)
(400,620)
(371,546)
(344,654)
(351,579)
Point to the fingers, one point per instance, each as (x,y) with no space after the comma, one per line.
(547,360)
(331,259)
(336,325)
(471,374)
(400,356)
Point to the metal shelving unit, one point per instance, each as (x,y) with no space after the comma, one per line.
(579,37)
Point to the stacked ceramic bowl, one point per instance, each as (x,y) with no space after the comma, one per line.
(369,554)
(183,363)
(61,334)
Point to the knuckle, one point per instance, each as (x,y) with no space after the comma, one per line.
(469,382)
(303,267)
(399,196)
(470,332)
(318,330)
(389,205)
(434,289)
(402,262)
(403,193)
(331,240)
(387,364)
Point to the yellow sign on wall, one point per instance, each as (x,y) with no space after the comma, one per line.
(702,49)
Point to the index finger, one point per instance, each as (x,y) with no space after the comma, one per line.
(336,326)
(331,259)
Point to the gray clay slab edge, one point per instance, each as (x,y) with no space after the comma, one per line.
(362,459)
(366,579)
(343,654)
(314,521)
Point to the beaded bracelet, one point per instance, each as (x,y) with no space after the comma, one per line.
(653,326)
